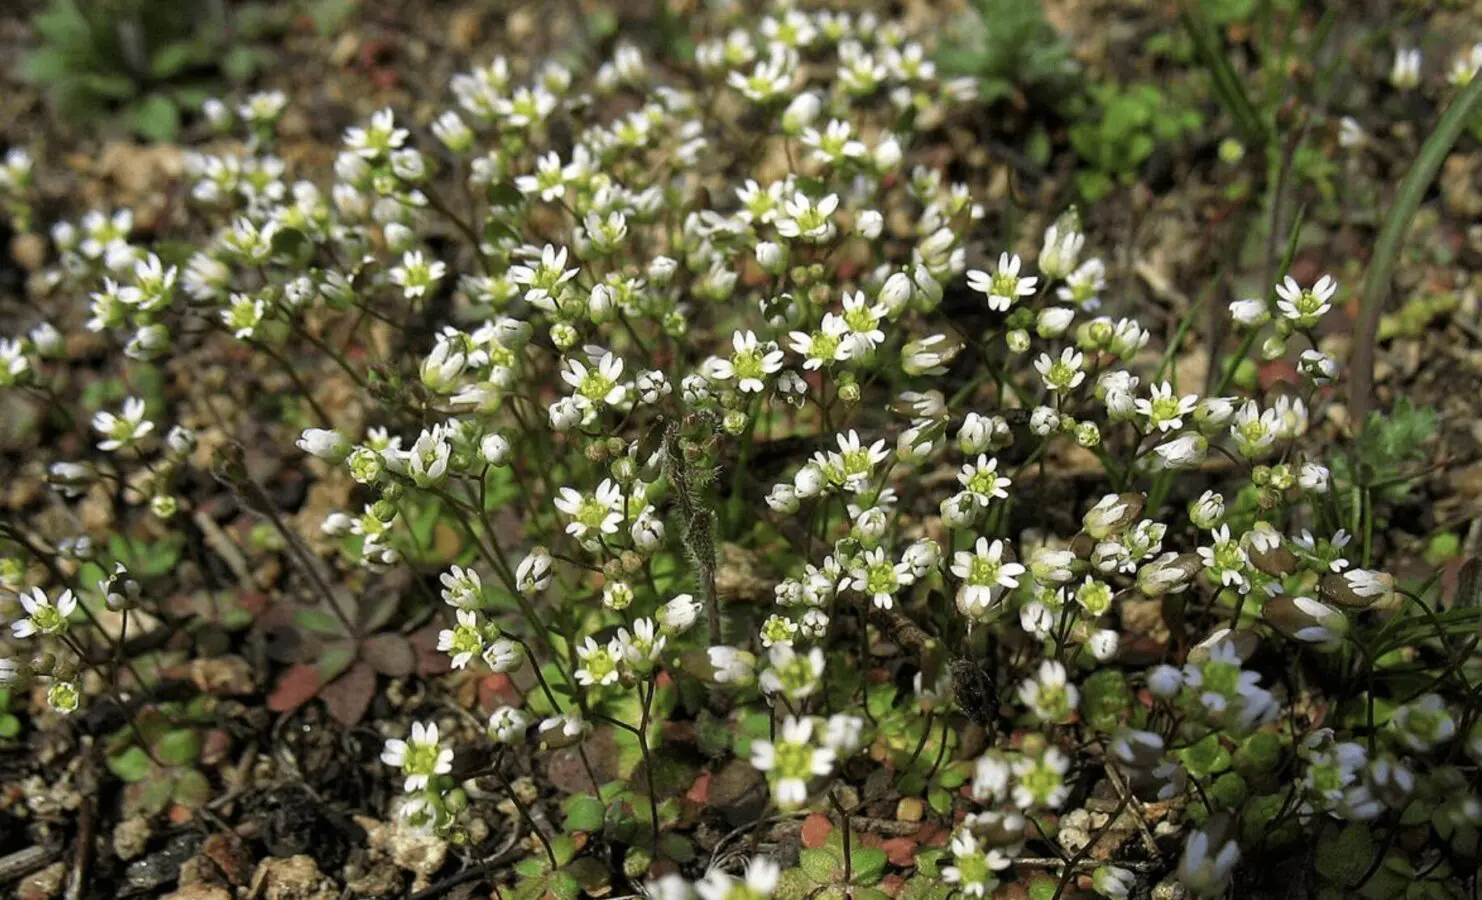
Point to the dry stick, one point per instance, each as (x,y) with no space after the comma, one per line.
(1392,237)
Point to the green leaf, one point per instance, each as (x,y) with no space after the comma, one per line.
(319,622)
(677,847)
(1206,757)
(504,195)
(131,765)
(1344,854)
(333,662)
(180,747)
(44,65)
(10,726)
(820,865)
(1258,754)
(880,700)
(1227,85)
(867,865)
(172,59)
(564,886)
(1106,697)
(192,789)
(240,63)
(564,848)
(112,87)
(154,118)
(939,800)
(927,860)
(584,813)
(156,794)
(292,244)
(1411,191)
(923,887)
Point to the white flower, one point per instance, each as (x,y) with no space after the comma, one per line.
(750,363)
(1164,411)
(462,588)
(984,576)
(506,724)
(1164,681)
(676,616)
(427,460)
(803,219)
(599,384)
(762,875)
(792,761)
(325,443)
(1083,287)
(440,370)
(794,675)
(534,573)
(599,512)
(877,577)
(801,112)
(416,276)
(599,664)
(1183,452)
(1305,306)
(420,757)
(1405,75)
(1113,882)
(464,641)
(1004,287)
(1206,866)
(982,481)
(124,430)
(1061,374)
(1061,248)
(42,615)
(1049,695)
(1250,313)
(1104,644)
(732,666)
(973,865)
(1424,723)
(1318,366)
(1314,477)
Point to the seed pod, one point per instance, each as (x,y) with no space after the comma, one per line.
(1083,545)
(974,691)
(1246,643)
(1138,749)
(1305,619)
(1170,573)
(1357,588)
(1277,561)
(1113,513)
(1160,783)
(999,829)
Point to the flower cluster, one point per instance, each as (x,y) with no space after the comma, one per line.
(632,363)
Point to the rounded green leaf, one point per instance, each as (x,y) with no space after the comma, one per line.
(584,813)
(181,747)
(820,865)
(131,765)
(868,865)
